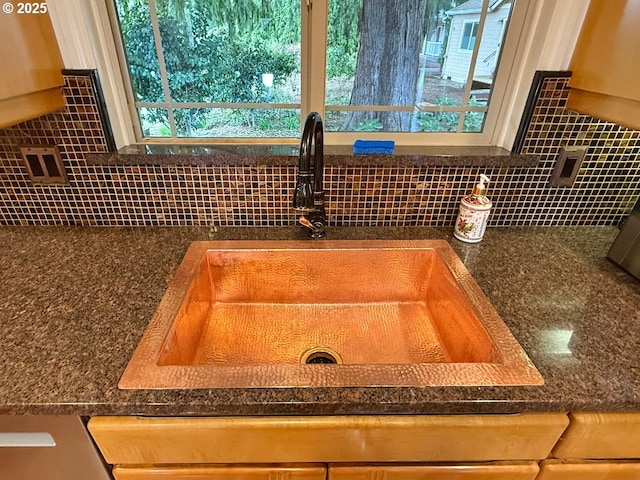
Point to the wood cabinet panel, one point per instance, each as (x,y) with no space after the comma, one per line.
(206,472)
(134,440)
(31,68)
(600,435)
(607,57)
(524,471)
(606,63)
(559,470)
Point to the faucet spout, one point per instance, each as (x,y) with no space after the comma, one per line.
(308,197)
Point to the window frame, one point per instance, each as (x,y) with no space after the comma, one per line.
(545,40)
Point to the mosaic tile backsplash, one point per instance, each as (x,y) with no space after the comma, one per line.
(605,190)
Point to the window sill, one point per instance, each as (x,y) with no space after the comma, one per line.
(250,155)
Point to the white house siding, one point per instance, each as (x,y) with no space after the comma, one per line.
(456,64)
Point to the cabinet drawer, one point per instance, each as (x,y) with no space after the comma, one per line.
(524,471)
(562,470)
(600,435)
(133,440)
(205,472)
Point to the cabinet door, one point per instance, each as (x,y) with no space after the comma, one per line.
(560,470)
(606,63)
(205,472)
(600,435)
(31,67)
(524,471)
(438,438)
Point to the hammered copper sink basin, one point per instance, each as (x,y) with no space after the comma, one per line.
(271,313)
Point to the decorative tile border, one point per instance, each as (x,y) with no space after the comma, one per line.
(605,190)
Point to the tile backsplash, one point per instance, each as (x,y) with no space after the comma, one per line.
(607,185)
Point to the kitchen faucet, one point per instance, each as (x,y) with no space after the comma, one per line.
(309,195)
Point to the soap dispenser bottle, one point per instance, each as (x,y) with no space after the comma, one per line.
(474,212)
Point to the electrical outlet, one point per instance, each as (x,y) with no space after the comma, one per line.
(567,166)
(44,164)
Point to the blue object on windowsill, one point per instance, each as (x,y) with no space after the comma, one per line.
(385,147)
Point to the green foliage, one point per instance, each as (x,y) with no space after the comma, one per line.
(281,23)
(369,125)
(343,37)
(448,121)
(137,35)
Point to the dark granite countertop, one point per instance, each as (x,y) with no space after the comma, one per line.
(334,155)
(75,301)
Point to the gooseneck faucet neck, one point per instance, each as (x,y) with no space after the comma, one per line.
(308,197)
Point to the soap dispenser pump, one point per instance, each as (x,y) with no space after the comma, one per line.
(473,214)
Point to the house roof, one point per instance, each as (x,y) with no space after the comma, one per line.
(474,6)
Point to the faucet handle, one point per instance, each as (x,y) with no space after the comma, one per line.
(316,226)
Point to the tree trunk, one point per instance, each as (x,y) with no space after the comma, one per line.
(391,35)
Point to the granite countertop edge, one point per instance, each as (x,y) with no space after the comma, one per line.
(164,155)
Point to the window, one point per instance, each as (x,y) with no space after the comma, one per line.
(468,37)
(202,69)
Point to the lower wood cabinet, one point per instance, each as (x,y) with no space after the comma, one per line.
(331,439)
(600,435)
(521,471)
(420,447)
(221,472)
(544,446)
(589,470)
(497,471)
(596,446)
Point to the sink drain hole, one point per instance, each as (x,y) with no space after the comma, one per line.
(319,356)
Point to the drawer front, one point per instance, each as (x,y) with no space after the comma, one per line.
(559,470)
(133,440)
(600,435)
(267,472)
(524,471)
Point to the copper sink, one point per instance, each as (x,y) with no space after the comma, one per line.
(325,313)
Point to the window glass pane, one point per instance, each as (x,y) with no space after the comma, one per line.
(237,122)
(473,121)
(410,54)
(218,52)
(245,51)
(437,121)
(139,48)
(343,38)
(154,122)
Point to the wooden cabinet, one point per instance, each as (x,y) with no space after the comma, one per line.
(588,470)
(473,447)
(498,471)
(31,80)
(247,440)
(227,472)
(600,435)
(606,63)
(596,446)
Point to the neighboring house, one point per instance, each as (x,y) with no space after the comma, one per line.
(434,39)
(465,19)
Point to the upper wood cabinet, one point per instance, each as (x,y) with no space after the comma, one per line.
(31,79)
(606,63)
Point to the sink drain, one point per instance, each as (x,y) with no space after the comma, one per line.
(320,355)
